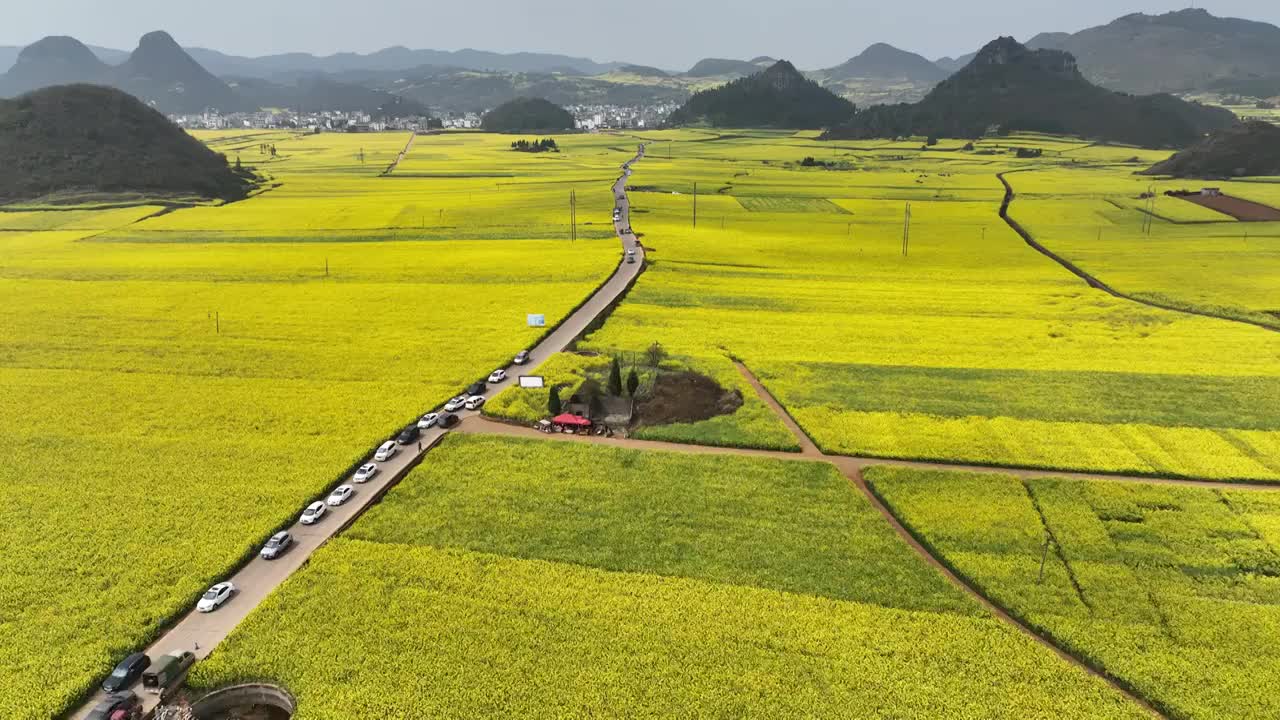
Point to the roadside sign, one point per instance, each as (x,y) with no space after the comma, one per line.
(538,320)
(532,381)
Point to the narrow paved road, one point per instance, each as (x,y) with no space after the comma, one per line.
(202,632)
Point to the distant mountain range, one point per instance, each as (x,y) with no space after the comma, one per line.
(1187,50)
(1009,87)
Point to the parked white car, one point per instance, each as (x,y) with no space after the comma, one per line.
(497,376)
(455,404)
(365,473)
(313,513)
(340,495)
(215,596)
(428,421)
(474,402)
(385,451)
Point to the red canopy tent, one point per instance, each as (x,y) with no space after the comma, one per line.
(567,419)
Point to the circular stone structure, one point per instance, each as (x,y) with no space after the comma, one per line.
(255,701)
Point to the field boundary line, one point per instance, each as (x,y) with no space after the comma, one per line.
(958,579)
(1092,280)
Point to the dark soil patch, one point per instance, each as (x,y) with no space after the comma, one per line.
(1238,208)
(686,397)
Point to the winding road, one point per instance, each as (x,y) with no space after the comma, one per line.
(202,632)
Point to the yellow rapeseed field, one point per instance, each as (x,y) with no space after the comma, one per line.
(177,386)
(971,346)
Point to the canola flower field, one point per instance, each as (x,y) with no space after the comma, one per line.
(971,347)
(181,384)
(557,575)
(1172,590)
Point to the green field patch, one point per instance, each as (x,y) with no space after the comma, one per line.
(1057,396)
(794,526)
(1175,591)
(789,205)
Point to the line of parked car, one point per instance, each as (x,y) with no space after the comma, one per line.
(122,704)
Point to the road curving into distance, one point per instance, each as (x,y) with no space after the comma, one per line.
(202,632)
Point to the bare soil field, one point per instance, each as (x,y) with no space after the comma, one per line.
(1238,208)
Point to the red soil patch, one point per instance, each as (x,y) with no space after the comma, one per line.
(1238,208)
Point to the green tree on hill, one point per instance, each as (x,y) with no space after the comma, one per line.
(615,378)
(553,402)
(633,382)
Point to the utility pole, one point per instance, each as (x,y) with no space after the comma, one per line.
(906,229)
(573,215)
(695,206)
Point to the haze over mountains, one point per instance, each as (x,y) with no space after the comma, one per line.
(1187,50)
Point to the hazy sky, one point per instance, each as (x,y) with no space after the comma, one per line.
(667,33)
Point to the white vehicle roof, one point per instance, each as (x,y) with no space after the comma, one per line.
(317,505)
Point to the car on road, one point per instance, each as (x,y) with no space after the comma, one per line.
(475,402)
(215,597)
(631,259)
(385,451)
(313,513)
(117,705)
(476,388)
(167,670)
(428,421)
(408,435)
(448,420)
(276,546)
(365,473)
(126,672)
(521,358)
(455,404)
(340,495)
(497,376)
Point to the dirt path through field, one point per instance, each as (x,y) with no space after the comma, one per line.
(1092,280)
(399,158)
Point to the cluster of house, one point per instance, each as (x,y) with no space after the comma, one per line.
(605,117)
(331,121)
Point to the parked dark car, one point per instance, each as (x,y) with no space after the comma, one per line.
(522,357)
(476,389)
(127,672)
(121,704)
(409,434)
(276,546)
(447,421)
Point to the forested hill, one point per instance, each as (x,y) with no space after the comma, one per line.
(528,114)
(779,97)
(98,139)
(1008,87)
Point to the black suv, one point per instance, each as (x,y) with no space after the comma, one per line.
(127,672)
(408,435)
(447,421)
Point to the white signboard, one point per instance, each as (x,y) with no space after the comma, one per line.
(538,320)
(532,381)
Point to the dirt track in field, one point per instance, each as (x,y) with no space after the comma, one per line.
(1238,208)
(1092,280)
